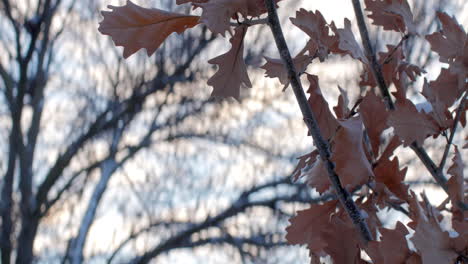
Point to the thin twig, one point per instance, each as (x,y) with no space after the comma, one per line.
(375,66)
(460,111)
(312,124)
(390,55)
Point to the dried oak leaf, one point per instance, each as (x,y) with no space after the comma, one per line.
(275,68)
(388,172)
(392,15)
(303,228)
(317,176)
(392,247)
(346,43)
(451,43)
(304,164)
(135,27)
(232,72)
(326,121)
(315,26)
(456,183)
(445,89)
(342,241)
(394,68)
(351,163)
(218,13)
(411,125)
(374,115)
(433,244)
(341,109)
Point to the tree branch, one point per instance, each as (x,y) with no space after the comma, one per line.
(376,70)
(312,124)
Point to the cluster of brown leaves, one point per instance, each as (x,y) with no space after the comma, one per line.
(361,155)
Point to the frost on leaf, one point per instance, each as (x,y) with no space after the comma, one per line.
(135,27)
(275,68)
(348,154)
(326,121)
(232,72)
(346,43)
(411,125)
(315,26)
(217,14)
(451,43)
(374,116)
(393,15)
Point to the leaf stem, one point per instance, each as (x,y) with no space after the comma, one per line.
(312,124)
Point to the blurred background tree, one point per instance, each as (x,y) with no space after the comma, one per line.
(106,160)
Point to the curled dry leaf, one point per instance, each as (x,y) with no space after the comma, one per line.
(351,163)
(393,15)
(232,72)
(135,27)
(326,121)
(275,68)
(315,26)
(411,125)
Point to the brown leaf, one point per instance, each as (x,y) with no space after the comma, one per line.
(456,183)
(275,68)
(305,163)
(326,121)
(394,68)
(389,173)
(217,13)
(314,25)
(317,176)
(232,72)
(451,43)
(341,109)
(135,27)
(348,154)
(392,15)
(409,124)
(444,90)
(392,247)
(347,44)
(430,240)
(303,228)
(342,241)
(374,115)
